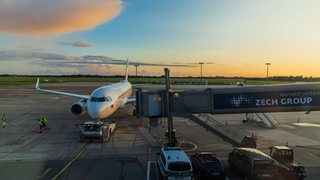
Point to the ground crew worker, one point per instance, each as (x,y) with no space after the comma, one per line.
(4,121)
(40,125)
(44,123)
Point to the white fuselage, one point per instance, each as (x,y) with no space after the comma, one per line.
(107,99)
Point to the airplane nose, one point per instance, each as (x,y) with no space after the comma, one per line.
(93,110)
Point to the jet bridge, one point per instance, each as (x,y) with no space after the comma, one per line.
(229,100)
(245,99)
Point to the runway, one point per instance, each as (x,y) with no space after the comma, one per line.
(133,144)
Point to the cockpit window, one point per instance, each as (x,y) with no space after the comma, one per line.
(94,99)
(101,99)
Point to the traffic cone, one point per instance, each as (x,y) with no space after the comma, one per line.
(226,123)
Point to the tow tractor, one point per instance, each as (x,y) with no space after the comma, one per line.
(289,168)
(96,131)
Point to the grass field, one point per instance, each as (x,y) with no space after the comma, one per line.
(28,80)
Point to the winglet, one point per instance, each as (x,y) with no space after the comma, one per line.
(37,85)
(126,75)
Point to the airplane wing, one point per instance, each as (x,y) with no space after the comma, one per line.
(61,93)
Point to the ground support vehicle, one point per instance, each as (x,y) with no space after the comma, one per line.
(96,131)
(207,165)
(289,168)
(253,164)
(173,163)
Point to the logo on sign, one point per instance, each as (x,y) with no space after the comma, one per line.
(240,100)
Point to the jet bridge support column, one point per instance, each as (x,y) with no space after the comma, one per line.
(171,133)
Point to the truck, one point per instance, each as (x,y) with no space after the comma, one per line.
(288,168)
(96,131)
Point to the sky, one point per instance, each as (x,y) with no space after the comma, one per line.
(231,38)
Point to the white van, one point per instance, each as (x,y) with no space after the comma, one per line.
(174,163)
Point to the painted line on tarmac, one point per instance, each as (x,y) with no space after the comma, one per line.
(44,173)
(70,162)
(188,142)
(308,147)
(13,150)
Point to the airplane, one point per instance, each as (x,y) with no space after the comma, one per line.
(103,101)
(241,83)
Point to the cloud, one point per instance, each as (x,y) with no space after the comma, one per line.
(29,48)
(41,62)
(203,62)
(161,64)
(80,43)
(89,62)
(99,69)
(102,58)
(30,55)
(47,17)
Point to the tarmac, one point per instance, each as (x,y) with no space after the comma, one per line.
(58,154)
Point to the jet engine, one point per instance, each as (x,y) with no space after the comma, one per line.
(79,107)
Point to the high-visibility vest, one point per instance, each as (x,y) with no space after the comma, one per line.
(4,121)
(45,120)
(40,123)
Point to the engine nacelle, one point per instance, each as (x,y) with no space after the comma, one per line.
(79,107)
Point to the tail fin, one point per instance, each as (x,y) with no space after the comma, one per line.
(126,75)
(37,85)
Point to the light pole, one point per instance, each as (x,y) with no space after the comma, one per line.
(268,64)
(201,63)
(136,65)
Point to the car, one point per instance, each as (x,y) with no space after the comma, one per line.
(206,165)
(174,163)
(253,164)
